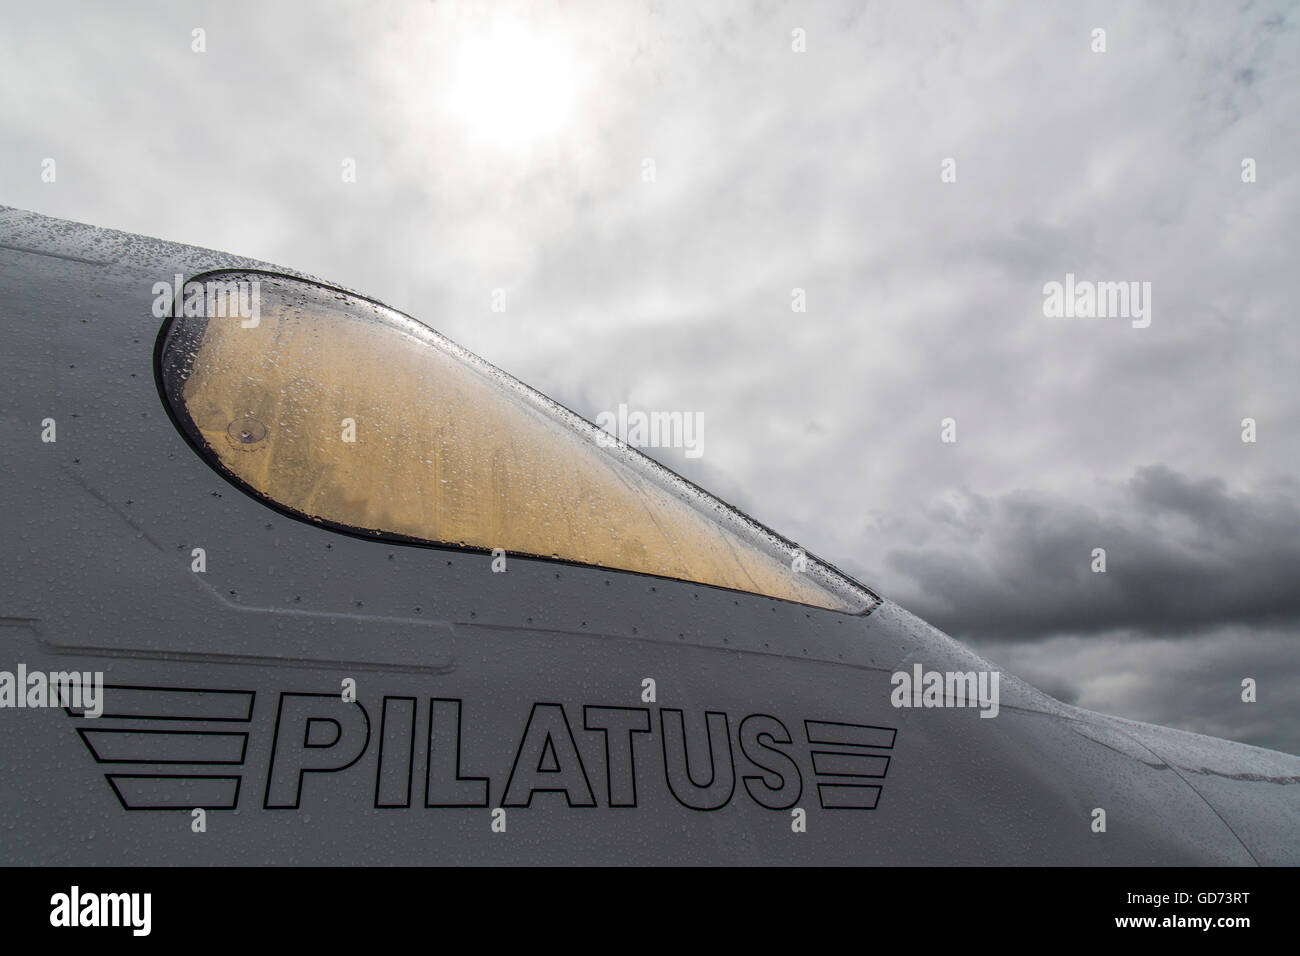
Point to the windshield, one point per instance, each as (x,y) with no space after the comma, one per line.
(351,415)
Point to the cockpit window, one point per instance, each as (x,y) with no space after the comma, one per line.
(348,414)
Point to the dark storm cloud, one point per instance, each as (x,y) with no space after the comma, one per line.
(1202,691)
(1189,682)
(1182,555)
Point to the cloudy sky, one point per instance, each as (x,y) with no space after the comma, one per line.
(648,182)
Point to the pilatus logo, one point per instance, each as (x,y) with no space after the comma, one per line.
(173,748)
(170,748)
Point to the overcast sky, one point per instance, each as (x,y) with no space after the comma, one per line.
(506,147)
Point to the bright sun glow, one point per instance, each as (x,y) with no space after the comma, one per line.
(514,85)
